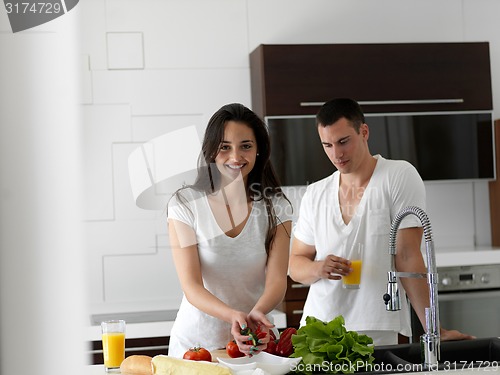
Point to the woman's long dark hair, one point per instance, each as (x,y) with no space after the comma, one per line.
(262,183)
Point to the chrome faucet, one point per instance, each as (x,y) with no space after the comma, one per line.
(430,340)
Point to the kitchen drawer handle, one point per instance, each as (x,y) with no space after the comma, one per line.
(298,286)
(297,312)
(392,102)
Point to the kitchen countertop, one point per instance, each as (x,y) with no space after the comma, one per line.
(459,367)
(466,257)
(99,370)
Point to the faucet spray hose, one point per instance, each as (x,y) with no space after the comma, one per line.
(417,211)
(430,340)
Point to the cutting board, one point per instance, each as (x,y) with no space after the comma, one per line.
(221,353)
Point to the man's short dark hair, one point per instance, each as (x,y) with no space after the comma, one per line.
(335,109)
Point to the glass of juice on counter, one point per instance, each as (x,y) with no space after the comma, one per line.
(113,344)
(355,255)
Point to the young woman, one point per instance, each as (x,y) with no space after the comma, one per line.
(230,236)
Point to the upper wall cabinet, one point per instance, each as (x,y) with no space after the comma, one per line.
(411,77)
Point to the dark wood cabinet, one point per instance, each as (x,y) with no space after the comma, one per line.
(494,187)
(409,77)
(293,303)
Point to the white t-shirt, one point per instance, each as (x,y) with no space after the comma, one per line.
(233,269)
(394,185)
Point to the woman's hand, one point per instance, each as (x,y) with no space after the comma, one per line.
(238,323)
(334,267)
(258,318)
(258,324)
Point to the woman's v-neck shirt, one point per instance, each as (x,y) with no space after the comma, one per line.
(233,268)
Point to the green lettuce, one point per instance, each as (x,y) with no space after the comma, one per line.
(330,348)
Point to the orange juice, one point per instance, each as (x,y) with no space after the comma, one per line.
(355,276)
(113,347)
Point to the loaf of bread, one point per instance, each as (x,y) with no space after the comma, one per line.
(137,365)
(165,365)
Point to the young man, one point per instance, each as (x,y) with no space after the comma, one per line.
(356,204)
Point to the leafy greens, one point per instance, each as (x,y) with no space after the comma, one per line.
(330,348)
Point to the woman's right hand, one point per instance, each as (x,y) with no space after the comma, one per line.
(239,322)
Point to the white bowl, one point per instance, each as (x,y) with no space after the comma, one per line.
(270,363)
(238,364)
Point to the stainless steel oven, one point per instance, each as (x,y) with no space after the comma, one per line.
(469,300)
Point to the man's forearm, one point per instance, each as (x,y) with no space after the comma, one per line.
(418,293)
(304,270)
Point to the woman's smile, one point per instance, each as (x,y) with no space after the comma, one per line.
(238,151)
(235,166)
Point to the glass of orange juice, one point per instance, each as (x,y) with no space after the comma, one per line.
(113,344)
(353,279)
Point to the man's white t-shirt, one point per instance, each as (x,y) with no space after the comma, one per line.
(394,185)
(233,269)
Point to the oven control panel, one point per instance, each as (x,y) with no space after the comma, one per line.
(464,278)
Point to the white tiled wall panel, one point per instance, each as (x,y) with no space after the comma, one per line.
(186,34)
(121,237)
(93,16)
(125,50)
(124,236)
(450,207)
(194,56)
(102,125)
(160,92)
(125,208)
(145,128)
(124,278)
(354,21)
(482,224)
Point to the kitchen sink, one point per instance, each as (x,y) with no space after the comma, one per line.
(455,355)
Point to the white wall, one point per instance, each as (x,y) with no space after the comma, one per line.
(156,65)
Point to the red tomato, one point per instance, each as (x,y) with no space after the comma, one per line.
(198,354)
(271,347)
(232,350)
